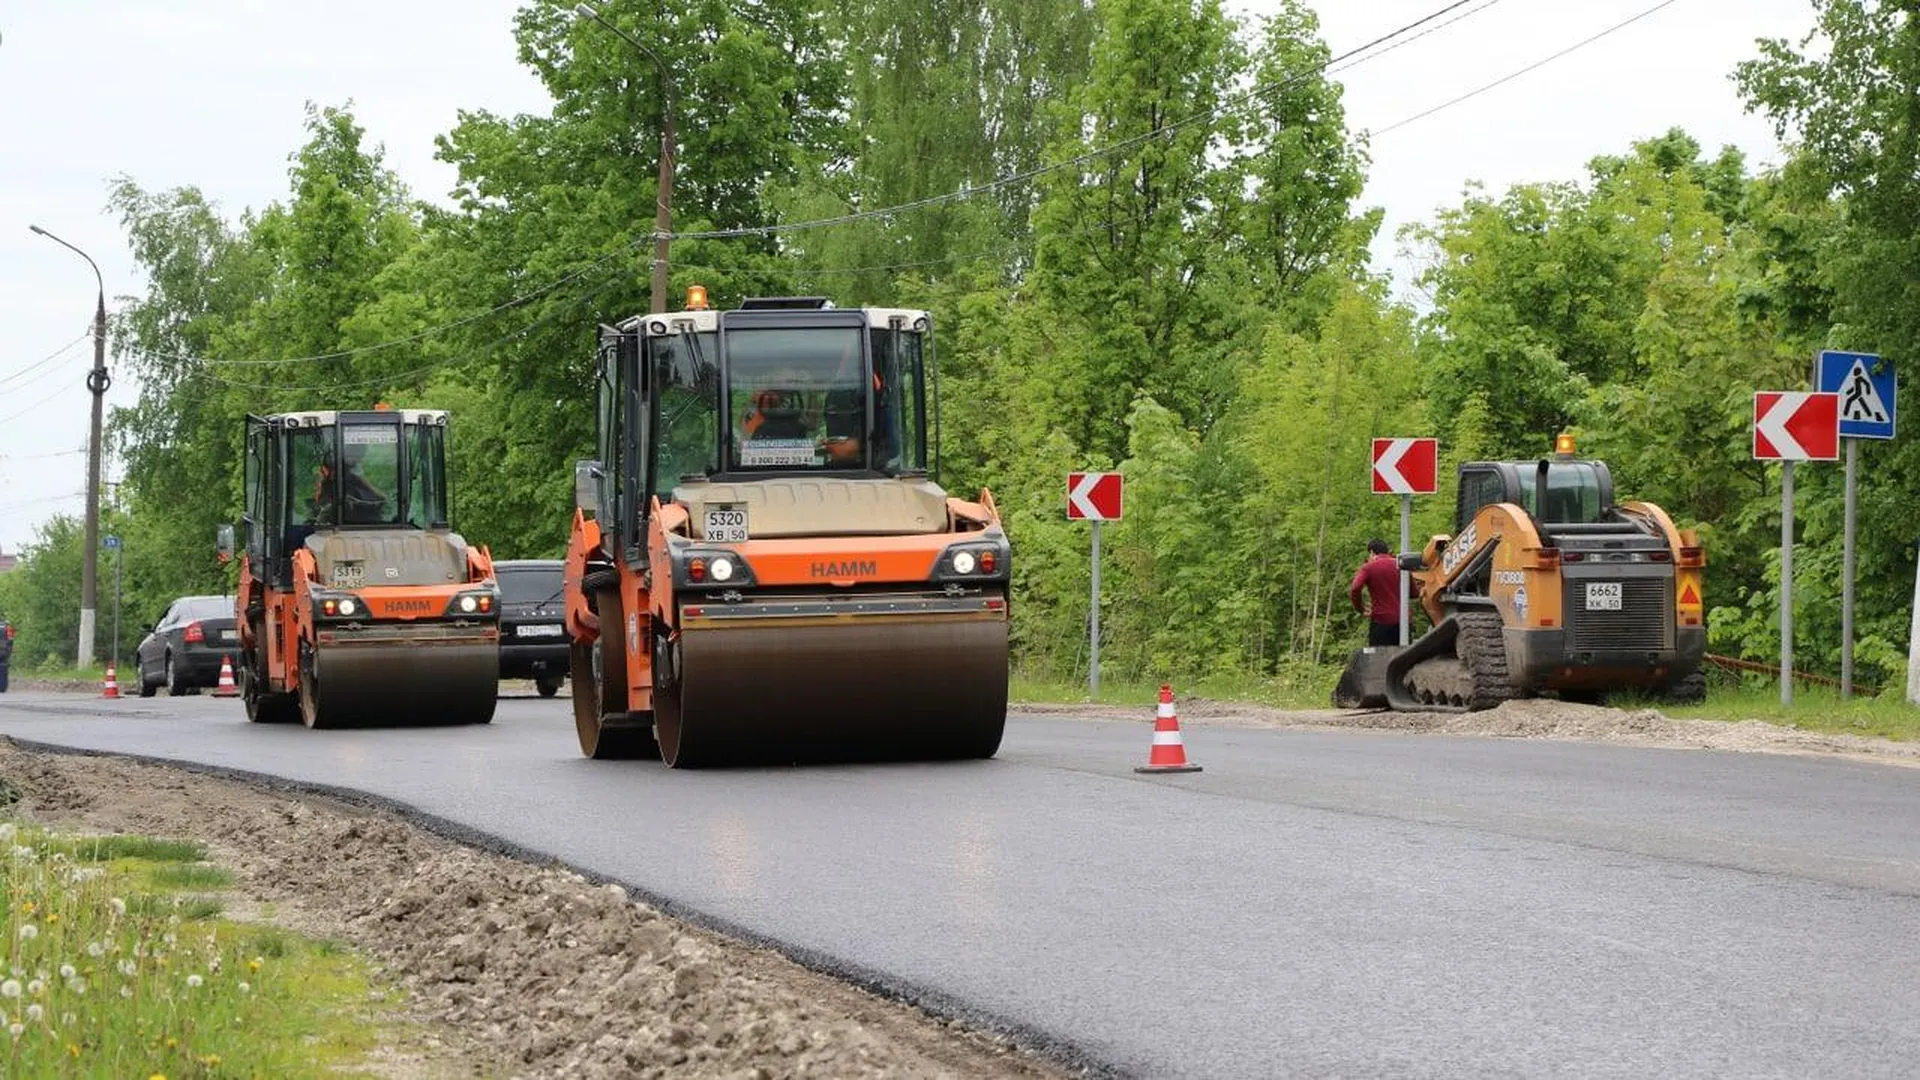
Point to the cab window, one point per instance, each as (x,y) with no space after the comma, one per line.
(1573,494)
(797,399)
(1478,488)
(899,419)
(686,381)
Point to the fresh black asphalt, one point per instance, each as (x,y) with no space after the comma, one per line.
(1313,904)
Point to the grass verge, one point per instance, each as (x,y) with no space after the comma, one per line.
(1300,686)
(1886,717)
(116,965)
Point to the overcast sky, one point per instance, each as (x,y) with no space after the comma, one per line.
(211,93)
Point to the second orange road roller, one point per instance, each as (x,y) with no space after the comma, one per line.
(762,567)
(358,604)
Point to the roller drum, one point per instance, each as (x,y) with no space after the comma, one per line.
(865,688)
(399,683)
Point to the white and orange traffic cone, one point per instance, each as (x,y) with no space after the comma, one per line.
(1169,754)
(109,688)
(226,688)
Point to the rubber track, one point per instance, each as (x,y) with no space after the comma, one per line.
(1483,647)
(1691,690)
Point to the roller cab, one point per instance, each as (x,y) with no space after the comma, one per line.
(763,568)
(358,604)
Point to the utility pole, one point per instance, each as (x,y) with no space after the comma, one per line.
(663,197)
(97,382)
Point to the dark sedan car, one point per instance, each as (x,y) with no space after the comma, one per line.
(533,637)
(182,651)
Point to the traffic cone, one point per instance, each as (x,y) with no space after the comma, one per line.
(109,688)
(226,687)
(1169,754)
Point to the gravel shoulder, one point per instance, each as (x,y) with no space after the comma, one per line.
(1532,718)
(538,972)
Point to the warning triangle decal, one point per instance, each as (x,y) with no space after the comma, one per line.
(1688,597)
(1859,399)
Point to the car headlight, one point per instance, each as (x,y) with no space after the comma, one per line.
(964,562)
(468,604)
(721,568)
(347,606)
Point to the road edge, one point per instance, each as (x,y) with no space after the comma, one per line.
(1055,1049)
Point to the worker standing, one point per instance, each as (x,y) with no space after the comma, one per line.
(1379,579)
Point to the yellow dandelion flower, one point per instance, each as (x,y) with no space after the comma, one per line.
(53,917)
(211,1061)
(73,1049)
(173,1043)
(27,908)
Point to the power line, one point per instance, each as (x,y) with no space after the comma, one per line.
(23,383)
(48,359)
(4,458)
(404,376)
(1356,55)
(1535,66)
(1404,42)
(57,391)
(418,336)
(43,499)
(1079,159)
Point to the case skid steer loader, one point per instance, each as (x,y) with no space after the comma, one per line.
(1547,585)
(761,568)
(357,602)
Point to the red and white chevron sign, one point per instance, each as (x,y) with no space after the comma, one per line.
(1093,496)
(1791,425)
(1406,466)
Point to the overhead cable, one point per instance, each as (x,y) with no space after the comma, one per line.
(1080,159)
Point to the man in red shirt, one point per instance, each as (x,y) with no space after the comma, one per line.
(1379,578)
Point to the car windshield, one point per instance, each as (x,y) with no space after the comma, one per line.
(796,398)
(529,586)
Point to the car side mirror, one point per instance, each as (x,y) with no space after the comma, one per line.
(589,477)
(1412,560)
(223,542)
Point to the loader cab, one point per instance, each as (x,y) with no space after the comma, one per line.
(780,388)
(382,469)
(1557,491)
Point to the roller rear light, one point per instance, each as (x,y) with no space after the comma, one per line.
(194,634)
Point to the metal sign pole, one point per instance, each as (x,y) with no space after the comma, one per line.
(1786,583)
(1913,642)
(1846,577)
(1093,625)
(118,553)
(1406,538)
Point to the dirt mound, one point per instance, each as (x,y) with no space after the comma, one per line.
(550,975)
(1530,718)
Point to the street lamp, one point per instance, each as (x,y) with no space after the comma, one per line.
(663,200)
(97,383)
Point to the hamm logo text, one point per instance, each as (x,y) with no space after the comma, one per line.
(846,568)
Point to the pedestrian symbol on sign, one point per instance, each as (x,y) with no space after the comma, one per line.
(1860,401)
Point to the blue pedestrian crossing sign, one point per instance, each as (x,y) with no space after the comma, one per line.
(1865,384)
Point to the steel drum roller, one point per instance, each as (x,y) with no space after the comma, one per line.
(861,688)
(401,682)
